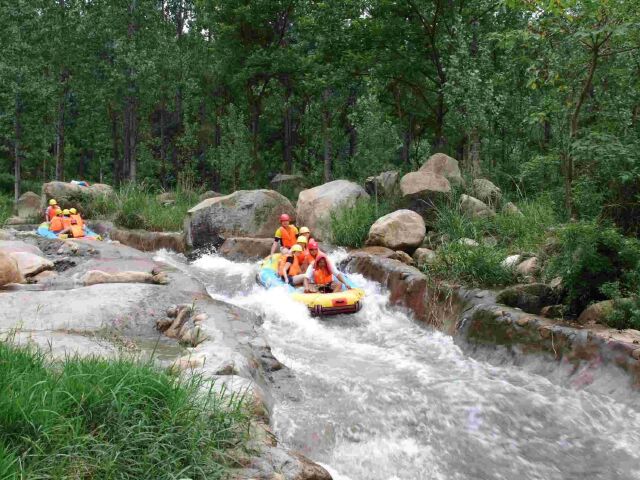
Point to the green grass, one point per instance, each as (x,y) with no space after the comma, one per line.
(135,206)
(6,209)
(350,226)
(474,266)
(514,233)
(111,419)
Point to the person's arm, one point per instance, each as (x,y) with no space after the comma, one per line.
(307,278)
(336,273)
(286,271)
(276,242)
(344,282)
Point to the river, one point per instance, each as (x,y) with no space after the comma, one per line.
(378,396)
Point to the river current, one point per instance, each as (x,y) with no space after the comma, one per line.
(379,396)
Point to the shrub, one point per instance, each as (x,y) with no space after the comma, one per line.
(6,209)
(478,266)
(350,226)
(625,313)
(94,418)
(592,257)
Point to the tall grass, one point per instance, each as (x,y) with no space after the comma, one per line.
(136,206)
(6,209)
(350,226)
(514,233)
(94,418)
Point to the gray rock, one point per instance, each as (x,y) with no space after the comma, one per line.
(444,165)
(596,313)
(510,208)
(471,207)
(529,267)
(383,185)
(511,261)
(530,298)
(315,205)
(209,194)
(9,271)
(403,257)
(424,256)
(30,264)
(487,192)
(399,230)
(28,206)
(290,184)
(245,213)
(420,191)
(242,248)
(71,195)
(469,242)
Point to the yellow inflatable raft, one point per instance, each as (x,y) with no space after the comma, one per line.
(346,301)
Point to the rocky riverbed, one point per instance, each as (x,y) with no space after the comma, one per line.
(104,298)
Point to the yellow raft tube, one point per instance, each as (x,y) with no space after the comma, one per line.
(346,301)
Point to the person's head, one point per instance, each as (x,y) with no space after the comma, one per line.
(313,248)
(304,231)
(59,212)
(65,212)
(321,262)
(297,250)
(302,241)
(52,202)
(73,211)
(284,220)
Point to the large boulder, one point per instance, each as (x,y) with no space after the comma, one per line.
(149,241)
(30,264)
(242,248)
(285,183)
(471,207)
(596,313)
(399,230)
(444,165)
(245,213)
(486,191)
(71,195)
(420,190)
(9,272)
(28,206)
(531,298)
(383,185)
(316,204)
(13,246)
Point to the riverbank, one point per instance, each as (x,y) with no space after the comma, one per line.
(217,342)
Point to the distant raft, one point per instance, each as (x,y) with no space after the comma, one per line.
(321,304)
(43,231)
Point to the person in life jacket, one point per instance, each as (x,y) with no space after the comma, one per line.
(290,267)
(321,277)
(76,230)
(51,211)
(312,251)
(66,221)
(56,225)
(306,232)
(75,216)
(286,235)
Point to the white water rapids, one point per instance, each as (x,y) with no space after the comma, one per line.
(378,396)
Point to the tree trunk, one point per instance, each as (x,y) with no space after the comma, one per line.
(474,153)
(352,131)
(326,125)
(130,138)
(287,137)
(117,161)
(574,128)
(407,141)
(17,130)
(163,147)
(59,149)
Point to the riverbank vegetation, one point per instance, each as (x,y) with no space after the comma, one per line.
(96,418)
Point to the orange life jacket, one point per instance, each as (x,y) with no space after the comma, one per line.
(288,236)
(322,276)
(76,231)
(56,224)
(294,268)
(50,213)
(78,219)
(66,222)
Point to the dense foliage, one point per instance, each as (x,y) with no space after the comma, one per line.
(95,418)
(540,96)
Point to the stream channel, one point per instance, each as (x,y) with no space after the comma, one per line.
(376,395)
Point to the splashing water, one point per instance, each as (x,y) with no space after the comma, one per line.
(381,397)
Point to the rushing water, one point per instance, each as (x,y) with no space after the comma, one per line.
(381,397)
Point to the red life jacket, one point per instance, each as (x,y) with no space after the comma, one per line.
(50,213)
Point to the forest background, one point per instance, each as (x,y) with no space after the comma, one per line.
(539,96)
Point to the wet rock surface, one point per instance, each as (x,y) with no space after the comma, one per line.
(399,230)
(64,316)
